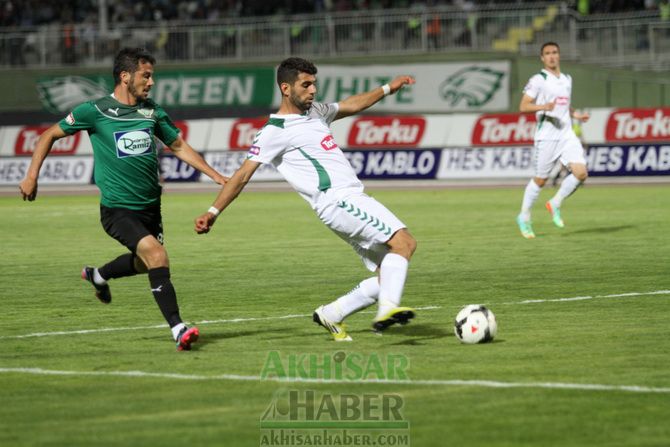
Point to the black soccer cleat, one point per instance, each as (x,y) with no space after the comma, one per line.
(399,315)
(101,292)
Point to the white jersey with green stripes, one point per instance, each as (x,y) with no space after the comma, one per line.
(546,87)
(303,150)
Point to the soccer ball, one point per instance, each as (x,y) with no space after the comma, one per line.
(475,324)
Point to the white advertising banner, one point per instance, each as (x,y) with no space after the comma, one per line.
(228,162)
(486,162)
(65,170)
(439,88)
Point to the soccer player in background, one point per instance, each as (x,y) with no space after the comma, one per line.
(548,95)
(298,142)
(122,127)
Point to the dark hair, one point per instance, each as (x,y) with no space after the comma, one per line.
(549,44)
(128,60)
(290,69)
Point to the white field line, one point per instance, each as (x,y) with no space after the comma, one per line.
(436,382)
(285,317)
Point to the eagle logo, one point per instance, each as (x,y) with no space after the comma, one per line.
(475,86)
(62,94)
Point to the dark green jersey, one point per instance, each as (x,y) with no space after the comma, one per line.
(124,150)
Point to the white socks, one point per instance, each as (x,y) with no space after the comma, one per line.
(568,186)
(363,295)
(392,275)
(529,197)
(176,330)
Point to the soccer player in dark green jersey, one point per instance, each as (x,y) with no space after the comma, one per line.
(122,127)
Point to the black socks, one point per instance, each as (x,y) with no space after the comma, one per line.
(164,293)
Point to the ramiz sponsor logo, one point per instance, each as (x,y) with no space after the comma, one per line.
(504,129)
(27,138)
(396,131)
(638,125)
(243,133)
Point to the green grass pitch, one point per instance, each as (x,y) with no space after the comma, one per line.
(269,256)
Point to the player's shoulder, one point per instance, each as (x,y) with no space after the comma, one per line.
(539,77)
(273,128)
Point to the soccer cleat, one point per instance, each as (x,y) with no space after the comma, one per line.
(186,337)
(400,315)
(555,214)
(101,292)
(337,330)
(525,227)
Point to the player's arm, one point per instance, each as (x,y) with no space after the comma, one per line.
(187,154)
(581,116)
(28,185)
(528,105)
(357,103)
(228,193)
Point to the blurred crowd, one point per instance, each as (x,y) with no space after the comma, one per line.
(40,12)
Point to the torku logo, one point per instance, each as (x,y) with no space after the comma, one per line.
(474,85)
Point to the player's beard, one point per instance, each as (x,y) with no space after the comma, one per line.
(132,89)
(299,103)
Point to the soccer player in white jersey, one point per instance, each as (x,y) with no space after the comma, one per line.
(548,95)
(297,140)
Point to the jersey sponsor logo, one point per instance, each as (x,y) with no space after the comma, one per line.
(62,94)
(475,86)
(70,119)
(399,131)
(328,143)
(504,129)
(243,133)
(133,143)
(638,125)
(562,100)
(26,140)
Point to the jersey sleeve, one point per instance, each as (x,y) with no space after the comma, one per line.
(533,87)
(165,129)
(82,117)
(325,112)
(267,145)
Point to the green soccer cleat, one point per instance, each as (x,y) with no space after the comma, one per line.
(400,315)
(555,214)
(337,330)
(526,228)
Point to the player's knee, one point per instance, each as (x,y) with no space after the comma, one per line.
(403,243)
(540,181)
(582,175)
(154,257)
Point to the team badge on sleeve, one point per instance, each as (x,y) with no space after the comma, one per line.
(254,150)
(70,119)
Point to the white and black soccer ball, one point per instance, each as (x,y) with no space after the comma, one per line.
(475,324)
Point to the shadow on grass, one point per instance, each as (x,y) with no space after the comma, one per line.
(600,230)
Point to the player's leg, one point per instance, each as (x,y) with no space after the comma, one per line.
(572,155)
(544,159)
(392,277)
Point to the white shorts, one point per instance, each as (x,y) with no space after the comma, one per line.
(567,150)
(362,222)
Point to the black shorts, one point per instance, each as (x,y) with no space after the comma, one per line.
(130,226)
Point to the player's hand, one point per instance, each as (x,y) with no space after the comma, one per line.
(549,106)
(204,223)
(28,188)
(221,179)
(399,82)
(581,116)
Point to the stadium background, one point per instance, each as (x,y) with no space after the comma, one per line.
(216,61)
